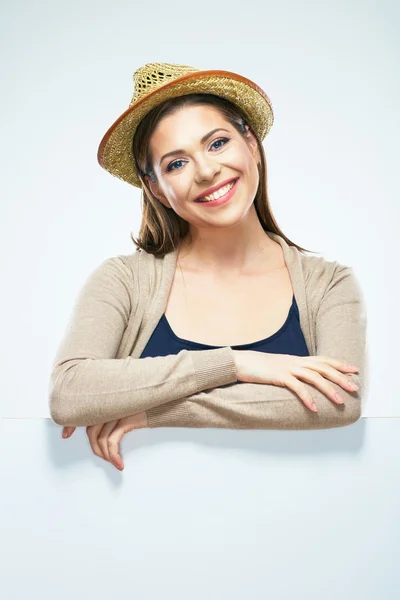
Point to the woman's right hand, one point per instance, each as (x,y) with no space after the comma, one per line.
(285,370)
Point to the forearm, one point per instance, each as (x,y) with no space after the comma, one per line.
(257,406)
(90,391)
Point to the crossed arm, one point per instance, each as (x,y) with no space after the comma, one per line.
(89,386)
(340,333)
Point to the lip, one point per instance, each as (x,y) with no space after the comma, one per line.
(224,199)
(213,189)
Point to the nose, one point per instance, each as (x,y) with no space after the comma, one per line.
(206,169)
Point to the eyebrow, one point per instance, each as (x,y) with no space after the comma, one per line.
(203,139)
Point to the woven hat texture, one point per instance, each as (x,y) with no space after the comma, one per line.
(154,83)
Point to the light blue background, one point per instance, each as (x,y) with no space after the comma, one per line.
(197,513)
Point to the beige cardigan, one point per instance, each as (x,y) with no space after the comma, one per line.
(97,375)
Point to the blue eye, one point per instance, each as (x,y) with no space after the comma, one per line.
(169,168)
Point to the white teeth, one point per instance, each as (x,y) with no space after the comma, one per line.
(221,192)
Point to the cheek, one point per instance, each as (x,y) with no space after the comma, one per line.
(181,192)
(173,193)
(250,172)
(245,164)
(178,196)
(253,176)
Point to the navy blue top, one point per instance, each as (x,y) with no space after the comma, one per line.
(288,339)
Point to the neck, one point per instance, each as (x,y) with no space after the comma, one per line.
(235,250)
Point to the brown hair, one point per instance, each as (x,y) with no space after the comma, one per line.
(162,228)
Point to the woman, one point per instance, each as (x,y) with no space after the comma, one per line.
(216,295)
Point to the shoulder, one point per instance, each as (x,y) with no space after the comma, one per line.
(144,259)
(145,269)
(129,261)
(318,270)
(112,276)
(329,281)
(119,266)
(315,270)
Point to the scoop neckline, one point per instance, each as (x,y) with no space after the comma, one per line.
(236,346)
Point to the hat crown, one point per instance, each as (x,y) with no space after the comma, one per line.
(155,83)
(151,76)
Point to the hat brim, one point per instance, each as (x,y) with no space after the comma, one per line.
(115,149)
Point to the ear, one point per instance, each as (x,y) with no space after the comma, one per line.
(155,191)
(253,144)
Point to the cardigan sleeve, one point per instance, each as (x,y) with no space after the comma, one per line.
(88,385)
(340,333)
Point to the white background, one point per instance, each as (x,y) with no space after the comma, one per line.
(206,513)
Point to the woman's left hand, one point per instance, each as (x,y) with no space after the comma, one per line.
(105,437)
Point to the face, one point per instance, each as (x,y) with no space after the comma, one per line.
(199,165)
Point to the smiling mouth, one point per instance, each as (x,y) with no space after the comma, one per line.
(231,184)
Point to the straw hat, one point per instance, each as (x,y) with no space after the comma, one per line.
(156,82)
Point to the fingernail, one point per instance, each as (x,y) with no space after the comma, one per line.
(314,407)
(353,386)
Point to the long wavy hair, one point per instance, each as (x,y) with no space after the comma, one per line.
(162,228)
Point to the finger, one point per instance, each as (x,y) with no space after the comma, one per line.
(319,382)
(340,365)
(334,375)
(102,439)
(93,432)
(68,431)
(113,446)
(298,388)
